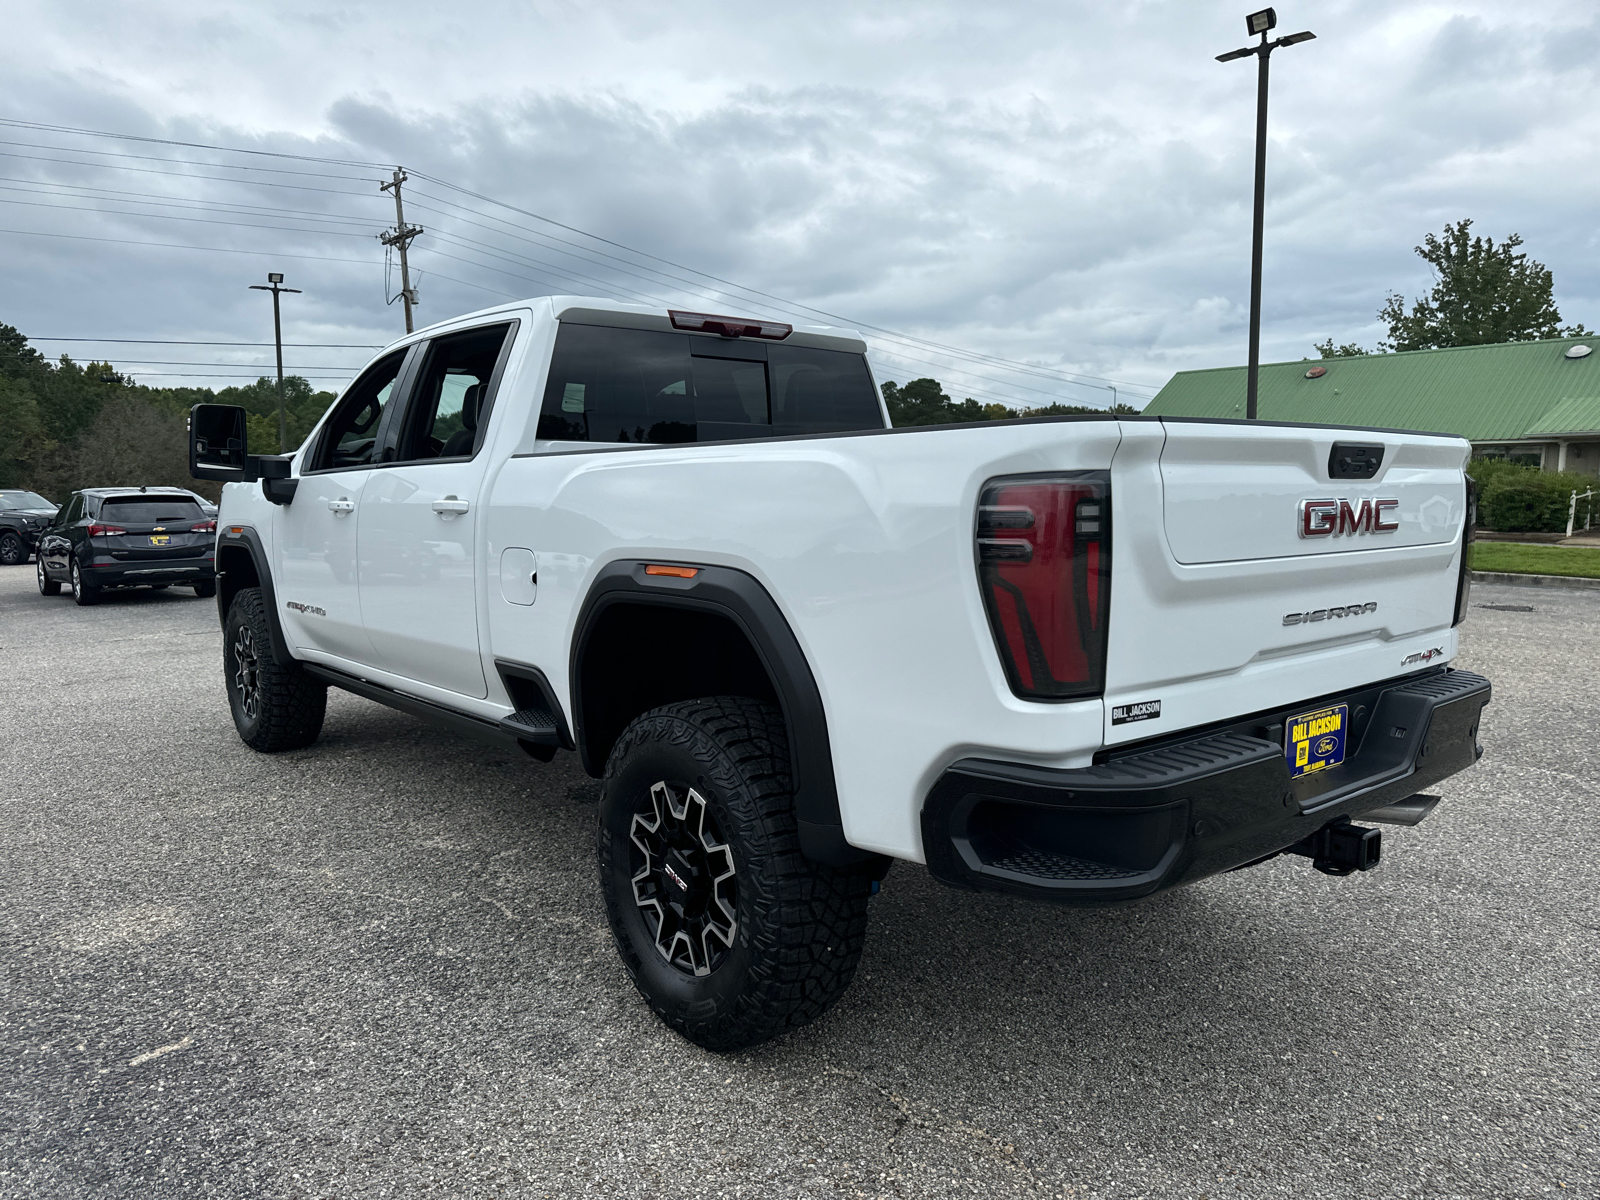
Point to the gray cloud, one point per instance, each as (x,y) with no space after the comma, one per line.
(1064,185)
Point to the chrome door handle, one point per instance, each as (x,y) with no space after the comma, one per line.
(451,506)
(342,505)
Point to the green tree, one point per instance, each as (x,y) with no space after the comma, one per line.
(23,441)
(1328,350)
(924,402)
(1482,293)
(302,406)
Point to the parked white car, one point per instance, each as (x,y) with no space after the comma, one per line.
(1082,659)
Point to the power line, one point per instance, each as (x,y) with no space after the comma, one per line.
(82,237)
(175,217)
(133,137)
(1054,374)
(193,162)
(299,187)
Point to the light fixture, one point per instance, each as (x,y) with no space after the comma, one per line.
(274,276)
(1260,22)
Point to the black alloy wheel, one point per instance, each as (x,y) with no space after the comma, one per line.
(47,586)
(13,551)
(683,879)
(246,681)
(730,933)
(84,593)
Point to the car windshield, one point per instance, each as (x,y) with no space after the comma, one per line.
(150,508)
(10,498)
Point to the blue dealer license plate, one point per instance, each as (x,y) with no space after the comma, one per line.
(1315,741)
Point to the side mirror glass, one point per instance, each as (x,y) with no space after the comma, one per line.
(217,443)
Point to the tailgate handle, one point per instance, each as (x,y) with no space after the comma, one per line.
(1355,460)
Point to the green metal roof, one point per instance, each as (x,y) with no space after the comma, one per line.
(1484,393)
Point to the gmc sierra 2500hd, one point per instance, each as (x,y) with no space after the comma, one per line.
(1082,659)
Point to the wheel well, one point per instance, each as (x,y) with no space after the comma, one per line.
(640,656)
(236,570)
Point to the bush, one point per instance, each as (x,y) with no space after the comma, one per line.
(1518,499)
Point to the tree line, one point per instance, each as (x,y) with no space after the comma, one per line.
(66,425)
(924,402)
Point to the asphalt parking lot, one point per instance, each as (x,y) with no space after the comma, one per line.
(379,967)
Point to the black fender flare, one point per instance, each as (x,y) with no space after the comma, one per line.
(738,596)
(230,541)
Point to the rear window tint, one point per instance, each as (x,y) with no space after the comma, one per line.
(151,508)
(634,385)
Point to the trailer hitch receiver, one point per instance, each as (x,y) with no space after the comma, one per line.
(1339,848)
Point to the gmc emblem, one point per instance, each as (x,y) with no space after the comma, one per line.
(1335,518)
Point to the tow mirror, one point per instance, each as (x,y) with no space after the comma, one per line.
(218,444)
(218,449)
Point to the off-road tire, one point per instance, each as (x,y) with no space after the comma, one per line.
(276,705)
(205,588)
(47,586)
(800,926)
(13,550)
(83,594)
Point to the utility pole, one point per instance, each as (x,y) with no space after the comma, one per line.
(274,285)
(400,237)
(1259,22)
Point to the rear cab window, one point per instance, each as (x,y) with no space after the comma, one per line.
(643,386)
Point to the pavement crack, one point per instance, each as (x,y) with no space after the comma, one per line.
(182,1044)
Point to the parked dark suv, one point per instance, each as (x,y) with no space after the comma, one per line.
(128,537)
(22,516)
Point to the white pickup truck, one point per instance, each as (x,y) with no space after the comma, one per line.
(1081,659)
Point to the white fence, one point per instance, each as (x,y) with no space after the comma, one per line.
(1572,509)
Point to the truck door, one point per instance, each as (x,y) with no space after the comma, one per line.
(419,514)
(315,540)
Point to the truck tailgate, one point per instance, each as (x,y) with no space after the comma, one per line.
(1228,597)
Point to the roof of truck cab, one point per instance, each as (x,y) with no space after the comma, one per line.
(659,313)
(1507,391)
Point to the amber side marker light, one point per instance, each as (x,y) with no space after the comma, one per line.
(675,572)
(235,528)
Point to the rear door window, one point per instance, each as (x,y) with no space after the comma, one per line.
(634,385)
(450,403)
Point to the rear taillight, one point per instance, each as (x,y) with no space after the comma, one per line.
(1044,562)
(105,530)
(1469,534)
(204,527)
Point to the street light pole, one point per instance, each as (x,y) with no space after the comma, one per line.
(274,285)
(1259,22)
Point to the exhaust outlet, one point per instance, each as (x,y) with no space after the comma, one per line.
(1410,811)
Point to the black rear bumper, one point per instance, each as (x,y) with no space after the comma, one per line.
(1154,816)
(133,571)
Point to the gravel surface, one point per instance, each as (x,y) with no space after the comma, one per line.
(379,967)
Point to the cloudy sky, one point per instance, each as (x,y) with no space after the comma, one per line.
(1058,190)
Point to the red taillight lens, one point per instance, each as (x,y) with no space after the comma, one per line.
(1044,561)
(104,530)
(204,527)
(731,327)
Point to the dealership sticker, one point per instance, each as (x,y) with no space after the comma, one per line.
(1145,710)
